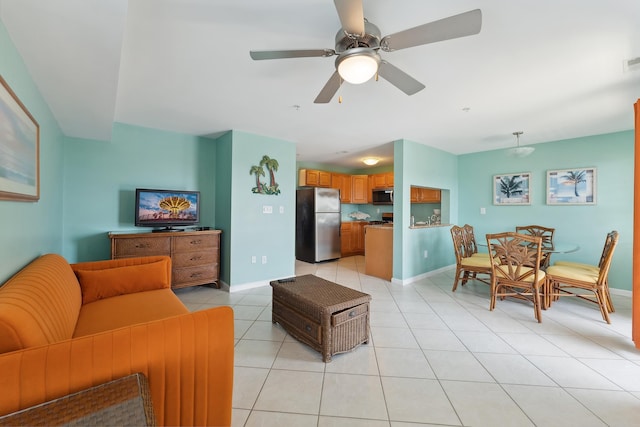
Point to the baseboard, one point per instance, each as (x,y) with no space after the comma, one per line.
(621,292)
(421,276)
(247,286)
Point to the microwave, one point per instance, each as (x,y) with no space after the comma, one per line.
(382,196)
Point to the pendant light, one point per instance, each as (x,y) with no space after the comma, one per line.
(519,151)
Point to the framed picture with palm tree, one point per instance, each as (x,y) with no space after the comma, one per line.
(575,186)
(512,189)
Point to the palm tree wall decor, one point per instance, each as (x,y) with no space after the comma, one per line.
(258,170)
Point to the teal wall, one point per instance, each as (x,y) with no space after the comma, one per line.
(612,155)
(30,229)
(252,232)
(101,177)
(417,164)
(87,190)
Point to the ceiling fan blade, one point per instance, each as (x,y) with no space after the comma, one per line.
(329,89)
(464,24)
(399,78)
(280,54)
(351,16)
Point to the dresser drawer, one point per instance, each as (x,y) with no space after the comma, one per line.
(142,247)
(201,274)
(191,259)
(194,243)
(350,314)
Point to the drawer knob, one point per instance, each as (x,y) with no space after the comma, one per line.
(352,313)
(308,328)
(143,245)
(194,275)
(196,258)
(196,242)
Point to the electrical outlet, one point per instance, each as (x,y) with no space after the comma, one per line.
(281,209)
(264,259)
(267,209)
(426,253)
(483,211)
(253,259)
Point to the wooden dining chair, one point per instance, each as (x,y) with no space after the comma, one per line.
(470,242)
(585,281)
(546,234)
(515,269)
(467,266)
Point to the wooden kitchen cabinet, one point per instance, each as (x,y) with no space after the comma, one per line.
(343,183)
(378,258)
(382,180)
(345,239)
(195,255)
(359,189)
(314,178)
(352,238)
(357,236)
(424,195)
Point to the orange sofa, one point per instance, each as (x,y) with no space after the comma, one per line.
(67,327)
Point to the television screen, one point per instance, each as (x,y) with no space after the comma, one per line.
(166,208)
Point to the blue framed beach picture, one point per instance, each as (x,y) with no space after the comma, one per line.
(576,186)
(19,149)
(512,189)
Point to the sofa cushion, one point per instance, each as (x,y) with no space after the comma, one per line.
(126,310)
(39,304)
(110,282)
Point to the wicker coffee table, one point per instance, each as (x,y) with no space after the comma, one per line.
(328,317)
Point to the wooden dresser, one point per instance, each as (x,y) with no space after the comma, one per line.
(195,255)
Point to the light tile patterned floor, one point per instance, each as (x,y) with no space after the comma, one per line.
(434,358)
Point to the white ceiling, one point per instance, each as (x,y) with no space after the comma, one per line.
(552,69)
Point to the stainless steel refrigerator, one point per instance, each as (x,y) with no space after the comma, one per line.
(317,224)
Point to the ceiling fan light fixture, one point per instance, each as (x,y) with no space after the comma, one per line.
(519,151)
(358,65)
(370,161)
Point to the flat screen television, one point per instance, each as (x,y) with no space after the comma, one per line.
(166,208)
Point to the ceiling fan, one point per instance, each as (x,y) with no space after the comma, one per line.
(358,43)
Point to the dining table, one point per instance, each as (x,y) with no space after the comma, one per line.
(557,248)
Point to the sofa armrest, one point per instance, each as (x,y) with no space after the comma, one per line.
(188,360)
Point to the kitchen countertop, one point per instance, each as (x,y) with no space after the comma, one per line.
(430,226)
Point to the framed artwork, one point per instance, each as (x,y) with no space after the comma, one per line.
(512,189)
(575,186)
(19,149)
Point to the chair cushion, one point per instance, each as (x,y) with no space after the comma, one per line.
(523,270)
(476,261)
(590,267)
(480,254)
(573,273)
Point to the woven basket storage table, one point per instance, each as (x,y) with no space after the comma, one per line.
(328,317)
